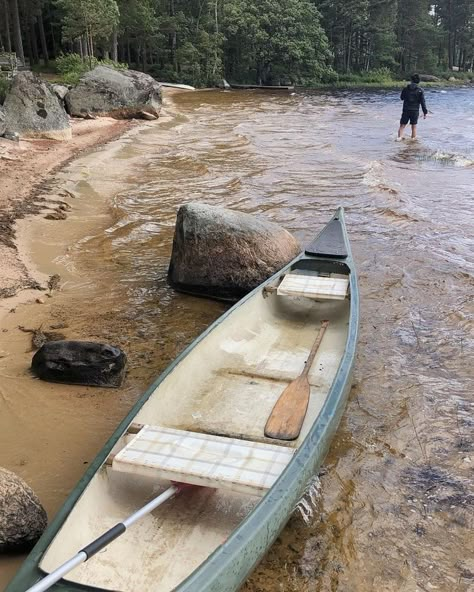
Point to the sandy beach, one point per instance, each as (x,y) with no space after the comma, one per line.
(27,170)
(41,216)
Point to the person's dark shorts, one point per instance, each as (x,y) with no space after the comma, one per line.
(409,116)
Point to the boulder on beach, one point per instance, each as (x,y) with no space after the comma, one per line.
(60,91)
(32,109)
(80,362)
(2,121)
(225,254)
(22,517)
(122,94)
(429,78)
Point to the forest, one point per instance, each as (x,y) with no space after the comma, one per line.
(200,42)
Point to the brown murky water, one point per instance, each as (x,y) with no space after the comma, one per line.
(395,506)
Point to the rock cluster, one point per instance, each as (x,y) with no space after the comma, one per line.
(35,108)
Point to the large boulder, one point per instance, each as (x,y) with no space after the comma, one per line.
(429,78)
(80,362)
(22,517)
(32,109)
(121,94)
(2,121)
(225,254)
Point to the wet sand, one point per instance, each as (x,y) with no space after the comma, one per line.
(51,446)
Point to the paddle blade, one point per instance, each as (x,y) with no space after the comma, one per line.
(287,417)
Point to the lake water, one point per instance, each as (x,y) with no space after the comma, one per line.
(393,508)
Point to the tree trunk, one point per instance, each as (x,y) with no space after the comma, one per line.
(114,45)
(33,41)
(17,31)
(44,46)
(85,47)
(8,40)
(81,50)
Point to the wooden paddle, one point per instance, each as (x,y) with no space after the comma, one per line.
(287,417)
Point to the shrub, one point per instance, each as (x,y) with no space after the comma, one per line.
(71,66)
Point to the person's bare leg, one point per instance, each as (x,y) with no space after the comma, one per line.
(401,131)
(413,132)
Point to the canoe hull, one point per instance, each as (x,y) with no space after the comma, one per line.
(231,563)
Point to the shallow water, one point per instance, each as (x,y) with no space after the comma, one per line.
(394,506)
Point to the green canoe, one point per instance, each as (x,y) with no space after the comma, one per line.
(212,404)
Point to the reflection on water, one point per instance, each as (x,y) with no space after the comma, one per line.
(392,508)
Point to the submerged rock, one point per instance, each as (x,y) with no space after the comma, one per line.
(118,93)
(80,362)
(22,517)
(225,254)
(33,110)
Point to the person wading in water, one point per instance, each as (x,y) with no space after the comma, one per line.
(413,97)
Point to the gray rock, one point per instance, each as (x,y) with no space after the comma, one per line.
(80,362)
(33,110)
(429,78)
(147,116)
(225,254)
(2,121)
(452,79)
(13,136)
(60,91)
(22,517)
(122,94)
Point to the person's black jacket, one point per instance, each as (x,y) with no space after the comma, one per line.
(412,97)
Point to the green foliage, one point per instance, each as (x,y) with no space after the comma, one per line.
(95,19)
(257,41)
(4,86)
(71,66)
(275,41)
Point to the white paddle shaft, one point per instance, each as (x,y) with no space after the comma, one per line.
(101,542)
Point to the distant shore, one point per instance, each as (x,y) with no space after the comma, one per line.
(391,85)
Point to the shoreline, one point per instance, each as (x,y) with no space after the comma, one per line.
(45,418)
(31,187)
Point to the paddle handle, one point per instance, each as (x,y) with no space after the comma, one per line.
(101,542)
(314,349)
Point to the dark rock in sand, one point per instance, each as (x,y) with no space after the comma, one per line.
(2,121)
(22,517)
(122,94)
(80,362)
(225,254)
(33,110)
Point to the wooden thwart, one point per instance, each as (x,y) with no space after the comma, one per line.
(203,459)
(287,417)
(314,286)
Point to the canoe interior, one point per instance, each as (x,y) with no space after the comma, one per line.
(226,385)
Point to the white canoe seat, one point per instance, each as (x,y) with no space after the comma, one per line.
(314,286)
(203,459)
